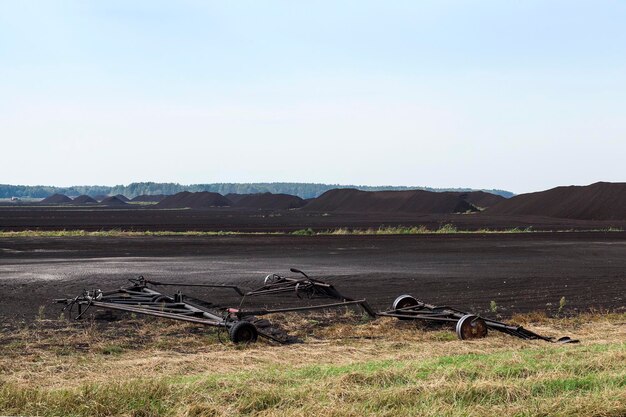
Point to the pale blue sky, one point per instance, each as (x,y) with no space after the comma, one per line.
(519,95)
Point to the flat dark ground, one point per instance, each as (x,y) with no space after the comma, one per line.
(520,272)
(139,218)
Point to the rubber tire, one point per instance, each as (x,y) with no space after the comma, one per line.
(243,332)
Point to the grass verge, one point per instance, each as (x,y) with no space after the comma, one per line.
(344,368)
(122,233)
(383,230)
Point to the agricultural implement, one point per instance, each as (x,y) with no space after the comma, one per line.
(141,297)
(243,325)
(467,325)
(305,288)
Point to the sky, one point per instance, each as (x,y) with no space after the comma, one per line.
(516,95)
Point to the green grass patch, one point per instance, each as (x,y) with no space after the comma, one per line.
(532,381)
(112,350)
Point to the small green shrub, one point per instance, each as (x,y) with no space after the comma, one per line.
(112,350)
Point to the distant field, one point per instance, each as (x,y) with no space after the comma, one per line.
(140,217)
(350,368)
(21,200)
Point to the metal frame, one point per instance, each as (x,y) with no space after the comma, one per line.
(304,288)
(467,325)
(141,297)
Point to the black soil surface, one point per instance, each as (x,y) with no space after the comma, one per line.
(83,199)
(520,273)
(141,218)
(149,198)
(415,201)
(199,200)
(266,201)
(56,199)
(599,201)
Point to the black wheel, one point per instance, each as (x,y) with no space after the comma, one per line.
(471,327)
(243,332)
(404,301)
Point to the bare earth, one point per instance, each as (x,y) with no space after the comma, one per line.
(520,272)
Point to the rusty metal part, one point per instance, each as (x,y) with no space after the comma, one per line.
(467,325)
(471,327)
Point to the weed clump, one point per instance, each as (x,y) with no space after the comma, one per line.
(303,232)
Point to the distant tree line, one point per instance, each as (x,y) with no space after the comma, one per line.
(304,190)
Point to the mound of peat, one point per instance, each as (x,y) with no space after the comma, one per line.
(56,199)
(83,199)
(234,198)
(148,198)
(122,197)
(267,201)
(187,199)
(113,201)
(599,201)
(482,199)
(412,201)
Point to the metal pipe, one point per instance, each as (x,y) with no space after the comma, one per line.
(174,316)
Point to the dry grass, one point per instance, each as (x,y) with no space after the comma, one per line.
(122,233)
(348,368)
(443,229)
